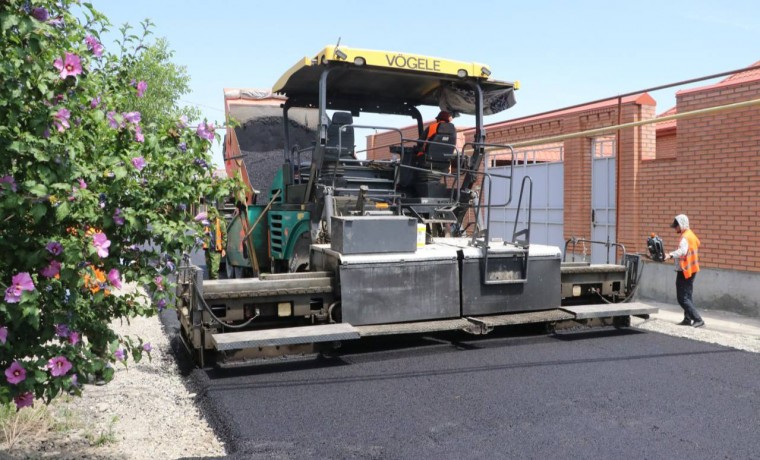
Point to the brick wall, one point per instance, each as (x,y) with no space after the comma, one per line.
(713,176)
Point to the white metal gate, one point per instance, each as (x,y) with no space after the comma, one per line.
(603,190)
(545,168)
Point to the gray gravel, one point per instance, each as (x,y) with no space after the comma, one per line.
(146,412)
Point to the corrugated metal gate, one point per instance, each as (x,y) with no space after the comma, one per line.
(545,167)
(603,190)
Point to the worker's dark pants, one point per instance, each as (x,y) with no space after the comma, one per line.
(684,289)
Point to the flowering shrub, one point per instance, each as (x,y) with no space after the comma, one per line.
(92,195)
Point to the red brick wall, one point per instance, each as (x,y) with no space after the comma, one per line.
(714,178)
(666,145)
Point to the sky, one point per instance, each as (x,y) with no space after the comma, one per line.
(562,52)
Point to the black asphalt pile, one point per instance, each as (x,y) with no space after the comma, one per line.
(262,145)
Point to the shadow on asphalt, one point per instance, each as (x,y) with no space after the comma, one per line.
(387,348)
(377,349)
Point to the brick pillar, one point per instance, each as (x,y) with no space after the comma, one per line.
(635,144)
(577,166)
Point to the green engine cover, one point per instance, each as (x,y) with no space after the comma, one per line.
(285,228)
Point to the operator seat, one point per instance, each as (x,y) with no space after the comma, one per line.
(437,156)
(346,138)
(440,149)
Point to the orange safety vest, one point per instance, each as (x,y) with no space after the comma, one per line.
(432,130)
(218,245)
(690,262)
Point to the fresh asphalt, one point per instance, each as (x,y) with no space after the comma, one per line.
(604,393)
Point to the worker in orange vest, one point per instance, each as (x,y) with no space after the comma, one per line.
(432,129)
(214,242)
(687,266)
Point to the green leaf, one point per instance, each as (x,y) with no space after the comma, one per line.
(62,211)
(15,147)
(38,212)
(120,172)
(34,47)
(8,21)
(40,376)
(40,155)
(35,188)
(108,374)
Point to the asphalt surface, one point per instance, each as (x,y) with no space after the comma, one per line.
(600,393)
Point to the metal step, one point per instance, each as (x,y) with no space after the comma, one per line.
(525,318)
(284,336)
(607,310)
(419,327)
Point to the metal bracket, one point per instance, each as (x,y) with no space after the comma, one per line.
(477,327)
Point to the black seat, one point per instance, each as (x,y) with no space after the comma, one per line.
(438,153)
(346,138)
(440,148)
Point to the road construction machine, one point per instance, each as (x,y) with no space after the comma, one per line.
(331,245)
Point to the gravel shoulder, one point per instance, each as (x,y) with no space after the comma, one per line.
(146,412)
(150,411)
(721,328)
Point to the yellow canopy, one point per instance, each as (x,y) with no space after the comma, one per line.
(390,82)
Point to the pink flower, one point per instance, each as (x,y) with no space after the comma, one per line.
(138,163)
(54,248)
(82,184)
(159,280)
(94,45)
(95,102)
(101,242)
(119,354)
(59,366)
(24,400)
(62,330)
(8,180)
(117,219)
(205,131)
(74,338)
(132,117)
(61,120)
(114,277)
(111,116)
(3,334)
(20,283)
(51,270)
(139,137)
(69,66)
(147,347)
(182,123)
(141,87)
(40,14)
(15,373)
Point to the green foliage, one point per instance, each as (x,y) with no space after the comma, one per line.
(71,173)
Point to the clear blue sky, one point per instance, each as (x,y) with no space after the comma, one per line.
(562,52)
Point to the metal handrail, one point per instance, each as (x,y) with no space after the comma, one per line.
(525,231)
(607,244)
